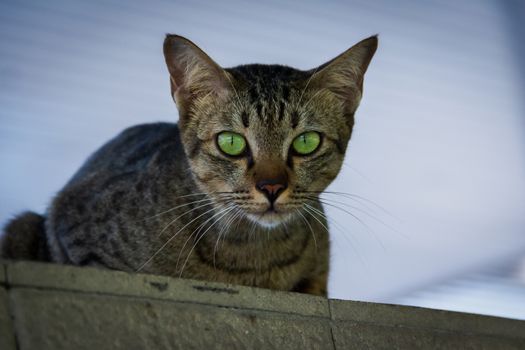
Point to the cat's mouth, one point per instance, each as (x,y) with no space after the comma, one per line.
(270,217)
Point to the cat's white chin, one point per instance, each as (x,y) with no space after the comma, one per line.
(268,219)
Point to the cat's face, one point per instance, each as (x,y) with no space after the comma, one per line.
(265,139)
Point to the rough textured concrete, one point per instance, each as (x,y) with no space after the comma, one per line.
(7,338)
(415,317)
(2,273)
(353,335)
(159,287)
(360,325)
(65,307)
(65,320)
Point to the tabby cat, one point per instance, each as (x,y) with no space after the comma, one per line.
(229,194)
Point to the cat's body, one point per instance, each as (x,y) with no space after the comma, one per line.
(178,202)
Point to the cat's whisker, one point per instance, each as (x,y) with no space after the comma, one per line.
(323,215)
(200,227)
(309,226)
(359,200)
(183,214)
(210,202)
(356,200)
(341,229)
(239,215)
(351,205)
(355,197)
(236,227)
(252,230)
(359,173)
(192,195)
(177,207)
(306,86)
(359,220)
(362,222)
(225,227)
(171,239)
(308,207)
(373,217)
(223,194)
(224,212)
(197,230)
(337,225)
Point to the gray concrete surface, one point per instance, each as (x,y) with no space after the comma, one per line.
(90,321)
(7,338)
(416,317)
(45,306)
(2,273)
(89,280)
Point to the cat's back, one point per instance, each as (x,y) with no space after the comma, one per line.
(120,184)
(133,150)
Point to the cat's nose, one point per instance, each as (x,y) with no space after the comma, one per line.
(271,188)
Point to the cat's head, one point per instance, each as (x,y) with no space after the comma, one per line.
(265,139)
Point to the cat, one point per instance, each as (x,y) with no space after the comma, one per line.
(229,194)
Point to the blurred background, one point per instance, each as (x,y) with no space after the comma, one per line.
(437,156)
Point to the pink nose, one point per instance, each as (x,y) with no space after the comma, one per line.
(271,189)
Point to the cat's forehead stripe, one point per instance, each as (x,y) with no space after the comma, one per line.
(245,119)
(285,93)
(281,110)
(295,119)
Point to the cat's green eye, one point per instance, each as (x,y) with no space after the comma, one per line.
(231,143)
(307,142)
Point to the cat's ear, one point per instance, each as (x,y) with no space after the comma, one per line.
(193,74)
(344,74)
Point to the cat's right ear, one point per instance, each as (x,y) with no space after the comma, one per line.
(193,74)
(344,74)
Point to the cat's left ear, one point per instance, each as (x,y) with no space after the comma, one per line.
(344,74)
(193,74)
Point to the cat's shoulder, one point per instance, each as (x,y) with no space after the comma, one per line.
(133,148)
(147,132)
(141,138)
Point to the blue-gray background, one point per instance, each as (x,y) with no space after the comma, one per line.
(439,138)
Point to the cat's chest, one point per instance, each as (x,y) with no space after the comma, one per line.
(267,264)
(265,258)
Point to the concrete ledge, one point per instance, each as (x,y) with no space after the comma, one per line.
(7,335)
(414,317)
(46,306)
(89,280)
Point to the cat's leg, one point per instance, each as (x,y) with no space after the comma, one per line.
(316,285)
